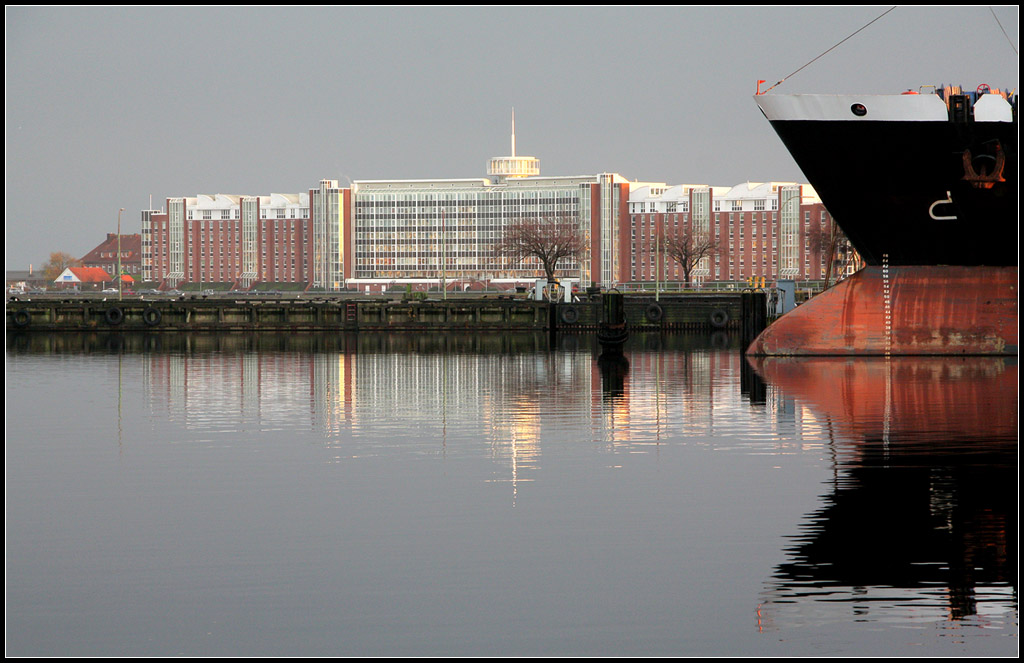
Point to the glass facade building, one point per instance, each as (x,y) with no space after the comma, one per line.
(423,231)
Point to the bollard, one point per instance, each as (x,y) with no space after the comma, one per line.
(613,308)
(754,313)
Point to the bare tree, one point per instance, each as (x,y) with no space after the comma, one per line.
(549,240)
(819,239)
(840,255)
(59,261)
(687,247)
(832,245)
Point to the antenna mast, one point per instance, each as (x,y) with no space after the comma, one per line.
(513,166)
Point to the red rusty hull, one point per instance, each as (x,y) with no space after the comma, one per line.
(934,310)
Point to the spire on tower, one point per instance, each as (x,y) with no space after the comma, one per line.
(512,165)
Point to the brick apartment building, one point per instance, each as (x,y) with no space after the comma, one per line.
(763,231)
(374,235)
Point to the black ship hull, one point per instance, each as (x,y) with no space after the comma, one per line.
(913,191)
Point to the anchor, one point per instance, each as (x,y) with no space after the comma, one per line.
(985,179)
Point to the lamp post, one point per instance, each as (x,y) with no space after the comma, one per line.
(119,253)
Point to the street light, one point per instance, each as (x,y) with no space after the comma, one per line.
(119,253)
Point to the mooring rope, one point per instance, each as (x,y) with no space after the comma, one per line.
(1000,24)
(835,46)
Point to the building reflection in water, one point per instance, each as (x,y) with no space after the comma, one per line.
(922,513)
(373,394)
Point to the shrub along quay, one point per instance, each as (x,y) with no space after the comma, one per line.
(495,313)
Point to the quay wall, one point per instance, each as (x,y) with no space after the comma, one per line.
(679,312)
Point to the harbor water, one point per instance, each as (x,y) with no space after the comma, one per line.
(504,494)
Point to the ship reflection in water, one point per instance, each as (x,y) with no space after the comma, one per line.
(921,520)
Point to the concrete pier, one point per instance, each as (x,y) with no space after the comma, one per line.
(713,312)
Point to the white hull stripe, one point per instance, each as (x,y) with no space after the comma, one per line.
(884,108)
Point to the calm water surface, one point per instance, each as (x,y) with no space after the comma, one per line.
(503,495)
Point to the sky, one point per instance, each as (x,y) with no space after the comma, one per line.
(111,107)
